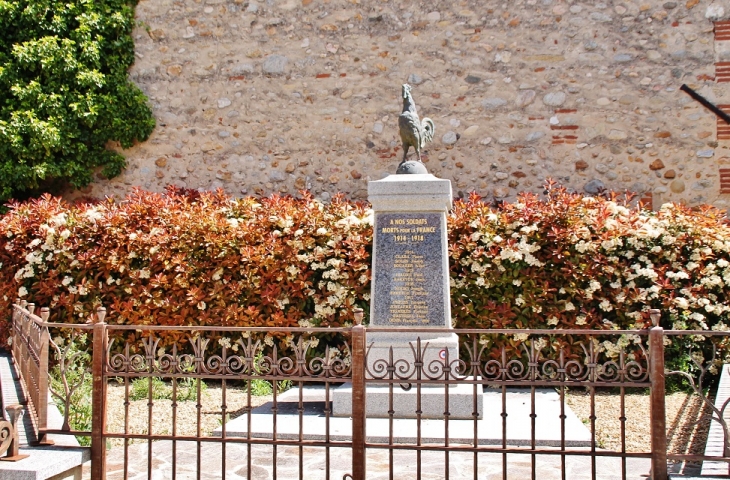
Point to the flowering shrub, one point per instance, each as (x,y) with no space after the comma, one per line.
(574,262)
(184,258)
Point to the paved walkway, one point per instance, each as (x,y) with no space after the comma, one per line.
(489,428)
(715,438)
(313,464)
(289,461)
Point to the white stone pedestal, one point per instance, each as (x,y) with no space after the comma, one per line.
(435,348)
(410,290)
(463,403)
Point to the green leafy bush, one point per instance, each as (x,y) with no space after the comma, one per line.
(64,92)
(187,389)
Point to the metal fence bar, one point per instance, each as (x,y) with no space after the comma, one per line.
(358,398)
(658,410)
(391,411)
(300,411)
(98,398)
(622,419)
(199,432)
(504,429)
(224,413)
(174,427)
(327,439)
(447,415)
(42,382)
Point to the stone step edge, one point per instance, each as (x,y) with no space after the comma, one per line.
(714,444)
(61,460)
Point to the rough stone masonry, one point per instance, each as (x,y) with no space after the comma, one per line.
(266,96)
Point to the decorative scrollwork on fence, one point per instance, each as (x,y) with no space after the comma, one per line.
(532,361)
(6,436)
(424,364)
(245,357)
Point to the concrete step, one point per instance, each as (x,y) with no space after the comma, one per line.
(489,427)
(60,461)
(715,437)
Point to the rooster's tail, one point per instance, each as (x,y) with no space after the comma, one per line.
(428,131)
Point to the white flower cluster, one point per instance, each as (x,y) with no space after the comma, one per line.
(521,251)
(42,251)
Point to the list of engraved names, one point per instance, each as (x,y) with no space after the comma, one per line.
(408,290)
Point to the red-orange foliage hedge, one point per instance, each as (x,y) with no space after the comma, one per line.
(208,259)
(181,258)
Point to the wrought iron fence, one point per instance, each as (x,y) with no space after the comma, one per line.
(30,354)
(296,434)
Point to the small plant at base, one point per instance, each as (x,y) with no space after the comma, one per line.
(259,388)
(140,389)
(70,384)
(187,389)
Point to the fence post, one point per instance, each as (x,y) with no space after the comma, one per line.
(27,359)
(358,397)
(15,413)
(657,412)
(98,398)
(16,335)
(43,381)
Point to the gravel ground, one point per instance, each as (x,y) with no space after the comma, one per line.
(687,424)
(186,415)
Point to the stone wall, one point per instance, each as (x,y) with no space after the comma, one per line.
(271,96)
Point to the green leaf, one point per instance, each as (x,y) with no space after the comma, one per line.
(65,92)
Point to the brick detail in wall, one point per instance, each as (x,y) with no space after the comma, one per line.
(725,180)
(647,200)
(722,72)
(722,30)
(564,134)
(722,69)
(723,128)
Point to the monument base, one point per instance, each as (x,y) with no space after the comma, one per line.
(462,405)
(436,349)
(439,353)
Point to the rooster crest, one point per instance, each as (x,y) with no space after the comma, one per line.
(413,131)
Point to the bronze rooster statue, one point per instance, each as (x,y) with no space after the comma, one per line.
(413,131)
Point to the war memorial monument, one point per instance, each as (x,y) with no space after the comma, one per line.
(410,291)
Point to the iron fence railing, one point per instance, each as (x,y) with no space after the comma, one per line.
(235,359)
(30,352)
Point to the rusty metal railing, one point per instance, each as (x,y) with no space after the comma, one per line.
(30,353)
(233,359)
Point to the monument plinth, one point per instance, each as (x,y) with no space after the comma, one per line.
(410,285)
(410,290)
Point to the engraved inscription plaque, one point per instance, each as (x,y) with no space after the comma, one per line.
(409,286)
